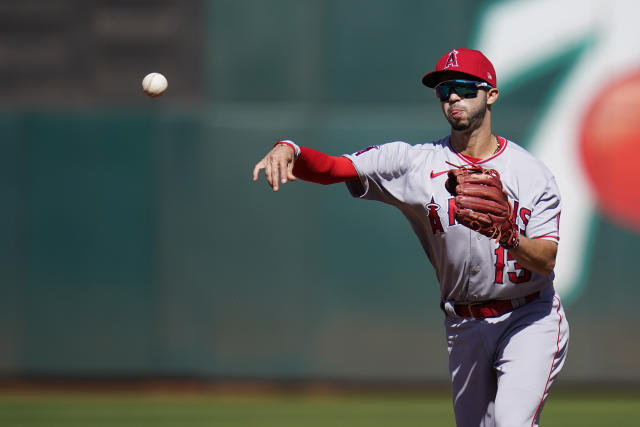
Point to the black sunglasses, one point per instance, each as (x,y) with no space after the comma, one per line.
(463,88)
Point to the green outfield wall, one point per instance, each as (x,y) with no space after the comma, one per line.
(134,243)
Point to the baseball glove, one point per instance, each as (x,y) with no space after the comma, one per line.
(482,203)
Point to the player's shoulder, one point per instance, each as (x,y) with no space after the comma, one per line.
(404,148)
(526,161)
(431,145)
(436,145)
(419,149)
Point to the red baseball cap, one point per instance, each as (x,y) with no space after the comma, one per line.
(467,61)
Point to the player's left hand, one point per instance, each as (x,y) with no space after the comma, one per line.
(277,165)
(482,203)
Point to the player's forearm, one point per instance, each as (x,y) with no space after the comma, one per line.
(536,255)
(315,166)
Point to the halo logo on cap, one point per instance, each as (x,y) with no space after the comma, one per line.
(452,60)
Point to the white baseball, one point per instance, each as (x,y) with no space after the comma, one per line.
(154,84)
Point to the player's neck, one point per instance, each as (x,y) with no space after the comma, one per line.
(479,143)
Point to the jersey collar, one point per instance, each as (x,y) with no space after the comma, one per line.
(475,161)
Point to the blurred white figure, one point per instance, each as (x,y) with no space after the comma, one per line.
(522,37)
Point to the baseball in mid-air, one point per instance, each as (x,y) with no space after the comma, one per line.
(154,84)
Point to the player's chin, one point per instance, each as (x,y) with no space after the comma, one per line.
(458,123)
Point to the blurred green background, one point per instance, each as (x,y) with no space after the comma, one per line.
(134,243)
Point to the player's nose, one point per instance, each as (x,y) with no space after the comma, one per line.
(453,96)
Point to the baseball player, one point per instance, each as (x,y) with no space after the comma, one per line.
(487,214)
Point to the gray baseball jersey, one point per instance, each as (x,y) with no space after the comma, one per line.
(469,266)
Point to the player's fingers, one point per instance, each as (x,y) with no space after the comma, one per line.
(267,173)
(257,168)
(284,172)
(273,169)
(290,174)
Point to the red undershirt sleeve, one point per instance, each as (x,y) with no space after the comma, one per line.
(315,166)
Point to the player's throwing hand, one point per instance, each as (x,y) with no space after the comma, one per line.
(277,165)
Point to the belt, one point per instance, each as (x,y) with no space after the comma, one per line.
(480,310)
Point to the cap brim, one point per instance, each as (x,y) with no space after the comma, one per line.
(433,78)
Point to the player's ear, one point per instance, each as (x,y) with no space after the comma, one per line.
(492,95)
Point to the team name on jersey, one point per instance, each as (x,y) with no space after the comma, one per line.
(432,208)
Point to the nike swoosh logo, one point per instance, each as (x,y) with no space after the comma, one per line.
(435,174)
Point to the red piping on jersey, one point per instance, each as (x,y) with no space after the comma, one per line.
(474,161)
(552,362)
(547,237)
